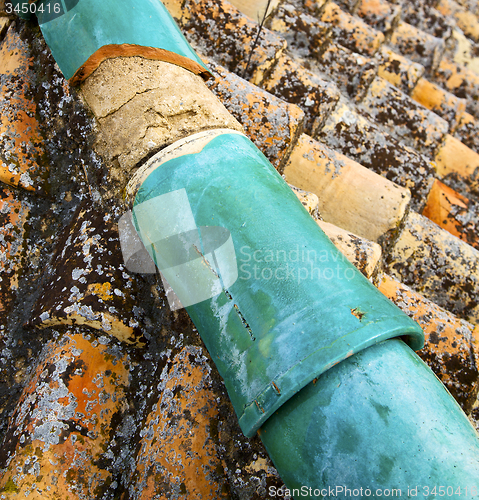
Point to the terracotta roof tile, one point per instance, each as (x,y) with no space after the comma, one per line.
(461,81)
(467,131)
(301,30)
(438,265)
(427,18)
(350,195)
(290,81)
(224,34)
(165,427)
(21,155)
(353,135)
(408,121)
(443,103)
(59,436)
(13,216)
(309,200)
(351,32)
(417,45)
(453,212)
(87,284)
(379,14)
(178,448)
(351,72)
(398,70)
(364,254)
(467,21)
(256,9)
(4,24)
(462,50)
(270,122)
(469,5)
(347,5)
(455,159)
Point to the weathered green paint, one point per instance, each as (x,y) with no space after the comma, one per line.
(76,29)
(378,420)
(303,309)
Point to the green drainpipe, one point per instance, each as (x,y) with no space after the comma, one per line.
(314,357)
(82,33)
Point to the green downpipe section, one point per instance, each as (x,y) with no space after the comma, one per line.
(379,420)
(298,306)
(345,410)
(76,29)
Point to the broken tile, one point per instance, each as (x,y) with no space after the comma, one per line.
(22,161)
(297,85)
(442,102)
(88,283)
(350,195)
(351,32)
(437,265)
(143,105)
(356,137)
(417,45)
(270,122)
(408,121)
(398,70)
(60,435)
(453,212)
(449,349)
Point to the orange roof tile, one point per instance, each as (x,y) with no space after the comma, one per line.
(22,160)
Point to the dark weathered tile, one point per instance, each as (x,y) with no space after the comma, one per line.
(449,349)
(296,85)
